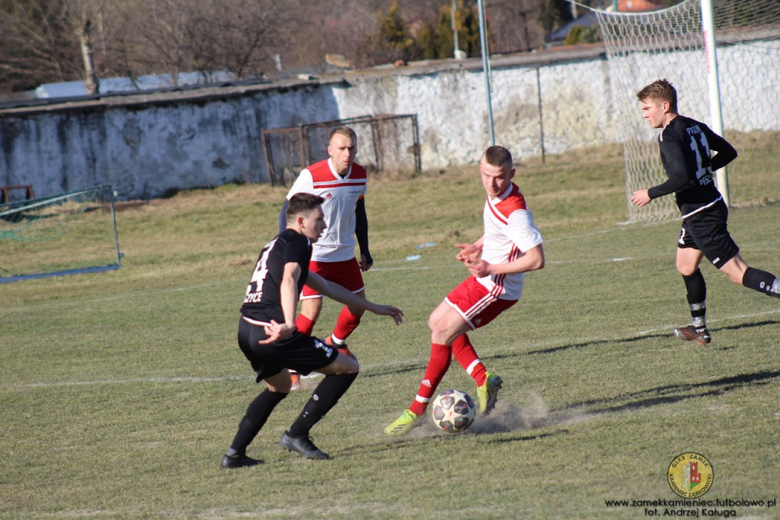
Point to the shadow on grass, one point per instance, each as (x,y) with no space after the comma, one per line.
(670,394)
(742,326)
(521,438)
(641,337)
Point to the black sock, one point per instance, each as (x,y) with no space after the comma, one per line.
(325,397)
(762,282)
(697,297)
(256,415)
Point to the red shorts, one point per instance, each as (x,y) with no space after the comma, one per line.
(475,304)
(346,274)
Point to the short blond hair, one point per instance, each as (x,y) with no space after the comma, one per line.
(345,131)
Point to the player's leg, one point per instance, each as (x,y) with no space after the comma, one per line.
(445,324)
(488,384)
(688,260)
(310,313)
(277,388)
(348,320)
(740,273)
(477,307)
(340,372)
(311,306)
(348,275)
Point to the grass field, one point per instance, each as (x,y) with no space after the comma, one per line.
(121,391)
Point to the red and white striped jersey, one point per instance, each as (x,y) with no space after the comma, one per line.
(509,232)
(341,195)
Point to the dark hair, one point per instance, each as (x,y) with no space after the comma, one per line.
(660,89)
(498,156)
(301,203)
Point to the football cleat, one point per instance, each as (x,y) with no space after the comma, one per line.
(403,424)
(488,393)
(343,348)
(239,460)
(295,377)
(690,333)
(304,446)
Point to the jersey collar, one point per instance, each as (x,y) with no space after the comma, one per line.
(333,170)
(503,195)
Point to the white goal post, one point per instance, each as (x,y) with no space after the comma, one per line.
(740,75)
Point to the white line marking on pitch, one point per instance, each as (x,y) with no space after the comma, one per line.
(368,367)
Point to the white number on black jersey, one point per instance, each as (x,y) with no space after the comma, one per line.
(254,291)
(702,151)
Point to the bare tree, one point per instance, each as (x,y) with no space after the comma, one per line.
(81,14)
(36,44)
(513,25)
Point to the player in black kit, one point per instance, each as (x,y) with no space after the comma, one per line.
(685,153)
(268,338)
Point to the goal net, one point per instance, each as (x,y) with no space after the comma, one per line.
(66,234)
(644,47)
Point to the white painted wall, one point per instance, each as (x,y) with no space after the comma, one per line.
(146,146)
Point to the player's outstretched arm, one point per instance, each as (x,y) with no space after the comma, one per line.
(340,294)
(469,252)
(532,260)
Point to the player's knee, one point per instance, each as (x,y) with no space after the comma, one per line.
(434,324)
(686,269)
(343,364)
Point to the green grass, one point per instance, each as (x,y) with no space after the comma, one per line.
(120,391)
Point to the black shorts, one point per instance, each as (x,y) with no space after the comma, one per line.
(299,352)
(707,231)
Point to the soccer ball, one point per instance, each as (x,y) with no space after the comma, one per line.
(453,411)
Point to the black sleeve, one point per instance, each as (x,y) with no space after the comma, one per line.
(298,251)
(676,165)
(726,152)
(361,229)
(282,218)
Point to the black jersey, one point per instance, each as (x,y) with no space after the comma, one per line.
(685,153)
(262,301)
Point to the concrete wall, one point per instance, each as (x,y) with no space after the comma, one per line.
(146,145)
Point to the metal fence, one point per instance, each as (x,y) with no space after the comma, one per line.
(385,143)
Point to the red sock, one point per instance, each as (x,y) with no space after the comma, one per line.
(466,356)
(346,323)
(304,324)
(438,364)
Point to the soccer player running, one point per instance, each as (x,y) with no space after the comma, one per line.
(268,338)
(510,246)
(685,153)
(342,183)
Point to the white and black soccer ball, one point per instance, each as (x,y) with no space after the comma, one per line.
(453,411)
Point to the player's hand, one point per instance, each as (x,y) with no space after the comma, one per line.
(390,310)
(640,198)
(478,268)
(366,262)
(468,252)
(275,332)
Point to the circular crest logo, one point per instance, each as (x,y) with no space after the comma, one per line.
(690,475)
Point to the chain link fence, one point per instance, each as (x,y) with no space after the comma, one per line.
(385,143)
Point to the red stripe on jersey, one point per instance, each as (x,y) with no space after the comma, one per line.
(498,280)
(321,172)
(512,202)
(325,185)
